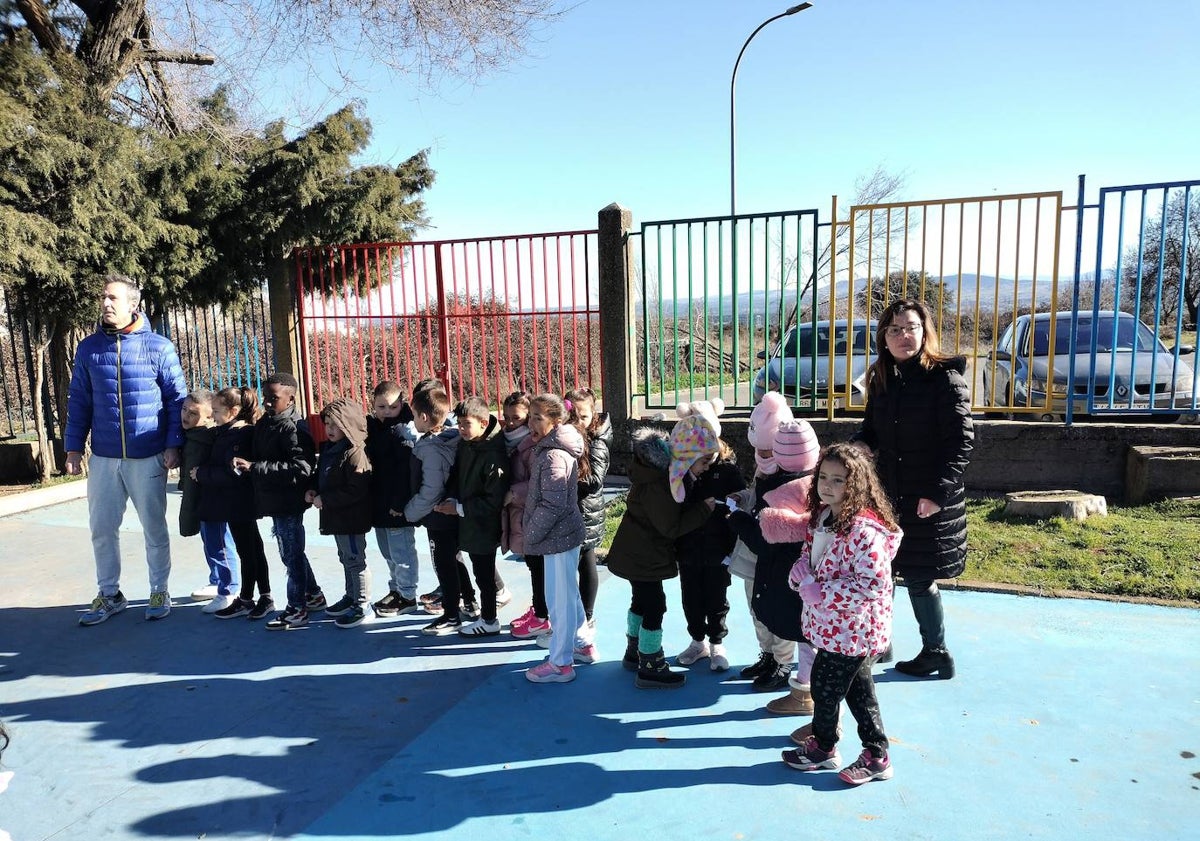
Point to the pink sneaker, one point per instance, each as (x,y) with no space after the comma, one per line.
(533,627)
(586,653)
(547,672)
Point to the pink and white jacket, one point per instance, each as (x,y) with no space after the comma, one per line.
(853,616)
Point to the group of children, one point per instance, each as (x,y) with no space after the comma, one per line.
(813,538)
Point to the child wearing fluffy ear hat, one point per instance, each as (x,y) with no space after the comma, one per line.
(644,548)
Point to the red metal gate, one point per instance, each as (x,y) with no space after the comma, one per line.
(486,316)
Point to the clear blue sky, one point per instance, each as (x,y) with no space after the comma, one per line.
(628,101)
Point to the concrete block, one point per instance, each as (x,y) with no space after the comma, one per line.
(1155,472)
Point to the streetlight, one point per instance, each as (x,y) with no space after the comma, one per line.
(733,105)
(733,182)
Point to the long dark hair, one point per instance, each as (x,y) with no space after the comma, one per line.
(244,400)
(930,353)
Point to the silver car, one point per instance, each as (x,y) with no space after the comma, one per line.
(799,365)
(1132,370)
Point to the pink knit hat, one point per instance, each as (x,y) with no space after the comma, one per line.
(771,411)
(796,447)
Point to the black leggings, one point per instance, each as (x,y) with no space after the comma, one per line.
(836,677)
(252,557)
(649,602)
(589,580)
(537,578)
(705,606)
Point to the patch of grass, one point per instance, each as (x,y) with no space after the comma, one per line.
(1152,550)
(616,510)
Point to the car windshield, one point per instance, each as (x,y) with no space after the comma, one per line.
(800,342)
(1125,336)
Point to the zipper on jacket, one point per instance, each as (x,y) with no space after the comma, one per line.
(120,400)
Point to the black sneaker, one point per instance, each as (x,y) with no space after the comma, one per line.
(405,606)
(340,608)
(265,605)
(434,595)
(353,616)
(315,601)
(239,607)
(442,625)
(469,611)
(389,605)
(774,680)
(289,620)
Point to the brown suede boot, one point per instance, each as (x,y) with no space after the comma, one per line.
(796,702)
(801,734)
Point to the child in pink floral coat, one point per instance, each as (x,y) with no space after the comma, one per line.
(844,577)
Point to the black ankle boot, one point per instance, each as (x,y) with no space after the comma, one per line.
(630,661)
(775,679)
(929,662)
(654,673)
(764,666)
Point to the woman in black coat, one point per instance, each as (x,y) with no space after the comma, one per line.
(918,422)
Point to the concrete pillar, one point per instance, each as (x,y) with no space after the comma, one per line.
(617,351)
(285,324)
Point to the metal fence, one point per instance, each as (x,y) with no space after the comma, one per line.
(486,316)
(798,313)
(223,346)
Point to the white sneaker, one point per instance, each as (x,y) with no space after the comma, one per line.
(219,603)
(696,650)
(503,597)
(718,661)
(205,593)
(480,628)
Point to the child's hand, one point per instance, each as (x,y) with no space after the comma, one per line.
(316,501)
(240,463)
(508,498)
(810,591)
(927,508)
(193,473)
(447,506)
(711,503)
(309,496)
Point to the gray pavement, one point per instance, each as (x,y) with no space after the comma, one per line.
(1068,719)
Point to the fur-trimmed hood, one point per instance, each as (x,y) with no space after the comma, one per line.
(786,517)
(652,447)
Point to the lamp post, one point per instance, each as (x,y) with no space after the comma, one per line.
(733,104)
(733,184)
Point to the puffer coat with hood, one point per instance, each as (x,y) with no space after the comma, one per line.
(481,480)
(643,548)
(344,472)
(921,431)
(552,521)
(591,490)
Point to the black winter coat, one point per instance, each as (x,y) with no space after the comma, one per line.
(774,603)
(391,471)
(225,496)
(591,490)
(709,545)
(284,464)
(920,429)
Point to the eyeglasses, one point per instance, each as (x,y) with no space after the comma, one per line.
(897,330)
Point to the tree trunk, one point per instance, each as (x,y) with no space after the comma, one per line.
(45,459)
(63,341)
(109,47)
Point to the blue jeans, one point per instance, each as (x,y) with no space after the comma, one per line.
(223,563)
(352,552)
(399,549)
(289,537)
(111,483)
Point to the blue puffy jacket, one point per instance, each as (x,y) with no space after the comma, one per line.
(126,390)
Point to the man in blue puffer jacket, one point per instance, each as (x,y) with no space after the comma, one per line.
(127,390)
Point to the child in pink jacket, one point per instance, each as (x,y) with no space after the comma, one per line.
(844,577)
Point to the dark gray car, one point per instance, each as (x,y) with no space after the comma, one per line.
(799,365)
